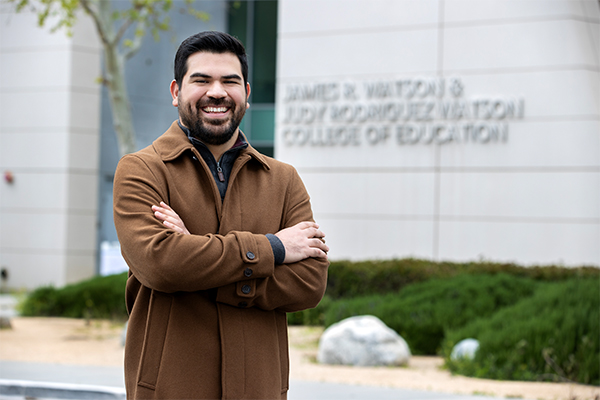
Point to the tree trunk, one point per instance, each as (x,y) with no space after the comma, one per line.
(119,100)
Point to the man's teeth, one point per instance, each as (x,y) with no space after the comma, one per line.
(215,109)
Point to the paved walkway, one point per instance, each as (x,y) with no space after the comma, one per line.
(113,377)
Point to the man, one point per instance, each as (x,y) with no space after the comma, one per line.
(220,242)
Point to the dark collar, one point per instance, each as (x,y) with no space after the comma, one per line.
(174,142)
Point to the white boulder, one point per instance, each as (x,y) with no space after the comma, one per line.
(465,349)
(362,341)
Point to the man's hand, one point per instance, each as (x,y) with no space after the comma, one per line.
(170,218)
(301,241)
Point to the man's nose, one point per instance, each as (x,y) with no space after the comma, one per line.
(216,90)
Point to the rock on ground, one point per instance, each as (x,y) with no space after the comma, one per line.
(362,341)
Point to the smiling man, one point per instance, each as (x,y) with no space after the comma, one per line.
(220,241)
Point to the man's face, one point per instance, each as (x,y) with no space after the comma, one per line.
(213,98)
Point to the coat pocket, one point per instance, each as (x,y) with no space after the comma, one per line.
(154,338)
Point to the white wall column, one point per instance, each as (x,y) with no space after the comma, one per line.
(49,135)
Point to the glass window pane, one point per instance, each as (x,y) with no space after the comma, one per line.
(237,19)
(263,124)
(265,52)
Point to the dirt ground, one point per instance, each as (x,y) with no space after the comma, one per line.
(71,341)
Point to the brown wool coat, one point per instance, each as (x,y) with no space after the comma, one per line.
(208,310)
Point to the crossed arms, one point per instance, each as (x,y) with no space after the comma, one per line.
(163,256)
(301,241)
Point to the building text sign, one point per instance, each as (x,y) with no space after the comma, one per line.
(403,111)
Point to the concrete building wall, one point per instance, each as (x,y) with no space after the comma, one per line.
(49,136)
(445,129)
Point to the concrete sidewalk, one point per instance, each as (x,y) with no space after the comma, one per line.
(77,377)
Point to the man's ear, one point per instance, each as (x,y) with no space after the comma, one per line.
(247,95)
(174,93)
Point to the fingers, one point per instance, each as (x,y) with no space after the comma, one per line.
(169,218)
(319,244)
(317,252)
(311,229)
(165,209)
(165,213)
(303,240)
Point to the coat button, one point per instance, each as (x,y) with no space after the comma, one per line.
(250,255)
(248,272)
(246,289)
(243,304)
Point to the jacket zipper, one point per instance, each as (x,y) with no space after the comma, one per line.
(220,172)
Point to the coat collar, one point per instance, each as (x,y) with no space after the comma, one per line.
(174,142)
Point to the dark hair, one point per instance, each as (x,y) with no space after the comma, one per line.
(211,42)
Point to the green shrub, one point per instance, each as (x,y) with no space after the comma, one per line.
(423,312)
(553,335)
(313,316)
(351,279)
(99,297)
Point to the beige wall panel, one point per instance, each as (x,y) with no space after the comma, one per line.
(547,94)
(86,63)
(552,196)
(79,267)
(81,235)
(21,33)
(35,69)
(520,242)
(46,109)
(33,150)
(311,17)
(591,9)
(84,110)
(82,192)
(494,10)
(35,192)
(81,154)
(536,144)
(41,231)
(517,45)
(361,238)
(339,56)
(49,268)
(364,194)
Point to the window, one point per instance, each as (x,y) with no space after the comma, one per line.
(254,22)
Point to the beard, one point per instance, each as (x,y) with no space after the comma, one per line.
(213,132)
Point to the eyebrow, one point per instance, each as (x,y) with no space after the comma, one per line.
(201,75)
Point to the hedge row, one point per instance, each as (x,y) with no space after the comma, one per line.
(553,335)
(103,296)
(347,279)
(351,279)
(99,297)
(528,329)
(422,313)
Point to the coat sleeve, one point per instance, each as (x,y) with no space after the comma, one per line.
(167,261)
(292,287)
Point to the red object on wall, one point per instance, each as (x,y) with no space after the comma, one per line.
(9,177)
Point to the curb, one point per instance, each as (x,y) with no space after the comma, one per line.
(14,389)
